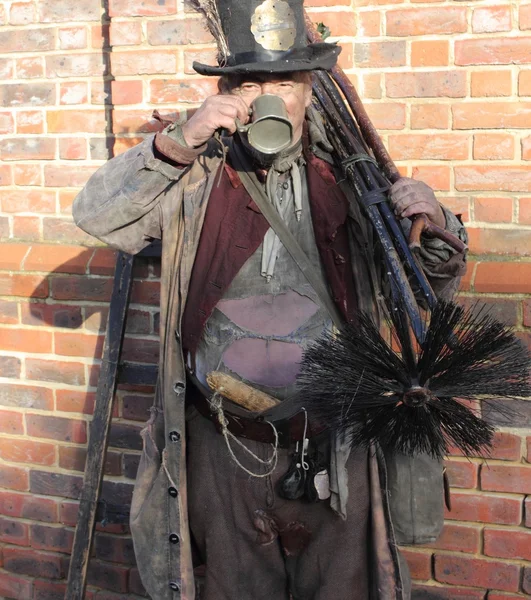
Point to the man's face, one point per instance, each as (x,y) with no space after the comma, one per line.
(294,89)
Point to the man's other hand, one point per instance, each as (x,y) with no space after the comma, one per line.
(410,197)
(216,112)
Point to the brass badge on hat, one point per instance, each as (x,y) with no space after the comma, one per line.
(273,25)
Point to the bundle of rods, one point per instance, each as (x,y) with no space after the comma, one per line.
(370,171)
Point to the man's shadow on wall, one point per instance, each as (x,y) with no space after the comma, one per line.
(74,301)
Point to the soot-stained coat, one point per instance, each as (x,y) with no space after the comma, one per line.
(160,190)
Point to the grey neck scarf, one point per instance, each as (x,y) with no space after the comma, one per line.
(282,169)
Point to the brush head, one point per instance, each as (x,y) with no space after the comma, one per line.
(415,399)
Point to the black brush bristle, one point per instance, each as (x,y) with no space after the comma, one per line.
(356,384)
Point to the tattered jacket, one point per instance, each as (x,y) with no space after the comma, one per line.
(135,198)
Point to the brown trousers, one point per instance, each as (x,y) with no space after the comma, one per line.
(258,546)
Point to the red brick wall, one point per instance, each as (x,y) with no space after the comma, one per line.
(449,86)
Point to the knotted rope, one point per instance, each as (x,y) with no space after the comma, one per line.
(216,404)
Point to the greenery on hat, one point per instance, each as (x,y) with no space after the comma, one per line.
(324,30)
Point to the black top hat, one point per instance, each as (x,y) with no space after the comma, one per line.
(262,36)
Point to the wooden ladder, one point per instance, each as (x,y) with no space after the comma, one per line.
(112,372)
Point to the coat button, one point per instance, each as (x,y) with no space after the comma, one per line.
(178,387)
(174,436)
(174,538)
(173,492)
(174,585)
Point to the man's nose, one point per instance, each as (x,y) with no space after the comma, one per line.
(267,88)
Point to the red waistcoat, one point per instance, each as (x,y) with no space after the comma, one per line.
(234,228)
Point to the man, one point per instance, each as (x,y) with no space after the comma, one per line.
(233,299)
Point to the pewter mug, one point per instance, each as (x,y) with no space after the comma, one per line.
(270,131)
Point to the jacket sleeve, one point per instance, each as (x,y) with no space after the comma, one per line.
(128,201)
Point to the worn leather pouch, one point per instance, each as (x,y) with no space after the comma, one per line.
(416,497)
